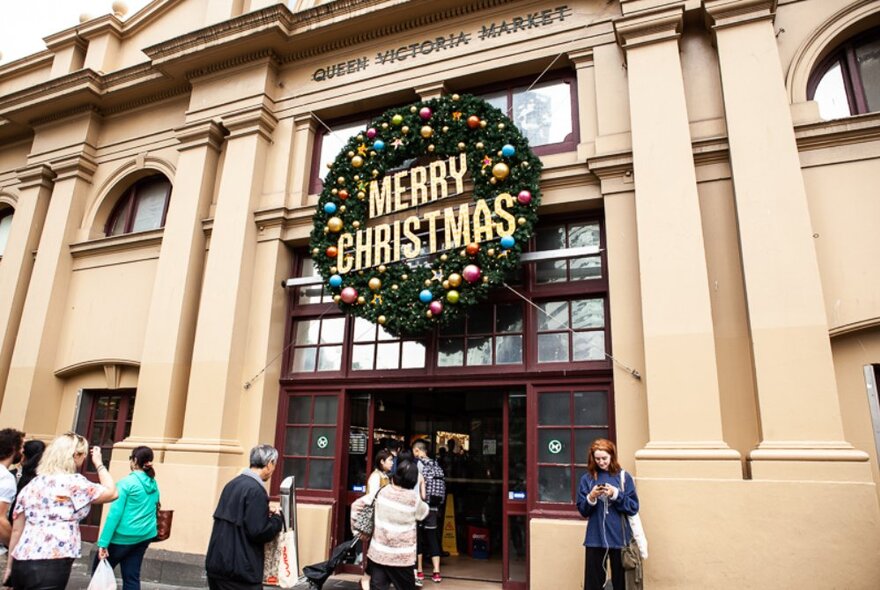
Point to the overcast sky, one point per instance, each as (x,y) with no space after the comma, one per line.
(24,23)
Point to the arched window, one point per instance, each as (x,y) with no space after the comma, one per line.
(142,207)
(6,214)
(847,82)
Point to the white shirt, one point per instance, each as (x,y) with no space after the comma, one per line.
(8,487)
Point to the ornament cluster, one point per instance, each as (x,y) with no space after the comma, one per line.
(412,297)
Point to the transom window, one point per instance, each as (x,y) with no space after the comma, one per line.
(571,331)
(317,345)
(374,349)
(6,214)
(848,81)
(328,146)
(568,235)
(491,335)
(310,440)
(569,420)
(142,207)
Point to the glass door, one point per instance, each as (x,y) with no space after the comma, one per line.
(515,533)
(359,466)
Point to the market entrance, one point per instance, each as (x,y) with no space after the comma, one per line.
(478,438)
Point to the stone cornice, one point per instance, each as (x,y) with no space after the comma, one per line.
(649,27)
(200,134)
(729,13)
(87,108)
(581,58)
(255,120)
(829,134)
(170,93)
(263,54)
(108,23)
(120,243)
(35,175)
(81,166)
(305,120)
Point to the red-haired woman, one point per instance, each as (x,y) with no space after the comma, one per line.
(601,500)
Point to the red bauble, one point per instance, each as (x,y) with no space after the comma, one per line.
(472,249)
(473,121)
(332,251)
(343,194)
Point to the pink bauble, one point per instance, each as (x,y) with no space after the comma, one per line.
(425,113)
(371,132)
(436,307)
(524,197)
(349,295)
(471,273)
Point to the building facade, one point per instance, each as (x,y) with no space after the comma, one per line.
(716,161)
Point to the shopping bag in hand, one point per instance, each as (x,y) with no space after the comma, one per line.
(103,578)
(280,565)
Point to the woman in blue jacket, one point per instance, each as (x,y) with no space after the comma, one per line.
(131,522)
(601,499)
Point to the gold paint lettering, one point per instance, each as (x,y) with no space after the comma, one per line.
(456,232)
(363,248)
(381,247)
(438,180)
(380,199)
(458,173)
(418,185)
(343,262)
(432,216)
(483,225)
(503,202)
(410,226)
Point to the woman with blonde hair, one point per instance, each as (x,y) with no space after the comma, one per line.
(45,526)
(603,500)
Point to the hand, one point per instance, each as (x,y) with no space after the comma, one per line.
(103,553)
(596,492)
(97,458)
(274,508)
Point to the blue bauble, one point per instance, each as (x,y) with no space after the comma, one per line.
(329,208)
(378,145)
(336,281)
(508,150)
(425,296)
(507,242)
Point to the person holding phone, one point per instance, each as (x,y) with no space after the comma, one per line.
(601,499)
(45,523)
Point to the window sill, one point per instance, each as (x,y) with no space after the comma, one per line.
(115,244)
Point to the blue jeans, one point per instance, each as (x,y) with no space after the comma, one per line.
(129,558)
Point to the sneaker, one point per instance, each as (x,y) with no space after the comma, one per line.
(436,577)
(420,579)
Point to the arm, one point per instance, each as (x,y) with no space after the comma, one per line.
(17,528)
(109,494)
(259,525)
(5,525)
(586,501)
(117,508)
(627,501)
(422,510)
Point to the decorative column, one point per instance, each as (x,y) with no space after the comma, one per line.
(681,376)
(587,107)
(171,323)
(35,187)
(305,125)
(217,378)
(32,396)
(799,410)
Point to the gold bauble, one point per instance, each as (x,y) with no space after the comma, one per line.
(357,162)
(360,137)
(315,251)
(462,253)
(355,224)
(485,279)
(483,123)
(493,180)
(329,164)
(431,148)
(372,153)
(462,146)
(404,277)
(340,180)
(429,313)
(337,298)
(382,268)
(326,230)
(404,129)
(445,129)
(521,221)
(413,109)
(361,195)
(490,252)
(445,284)
(427,282)
(375,173)
(334,191)
(375,284)
(334,224)
(394,287)
(357,177)
(351,154)
(444,257)
(361,300)
(381,319)
(455,279)
(426,131)
(456,97)
(525,164)
(333,269)
(479,145)
(342,208)
(384,125)
(500,154)
(501,126)
(500,170)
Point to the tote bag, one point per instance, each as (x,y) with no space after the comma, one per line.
(280,564)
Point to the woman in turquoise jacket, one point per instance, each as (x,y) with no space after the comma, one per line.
(131,522)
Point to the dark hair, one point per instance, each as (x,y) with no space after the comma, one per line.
(143,459)
(33,452)
(381,456)
(450,444)
(10,442)
(421,444)
(405,455)
(406,476)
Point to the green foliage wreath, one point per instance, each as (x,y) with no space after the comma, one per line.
(500,161)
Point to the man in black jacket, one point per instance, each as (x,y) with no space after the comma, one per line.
(243,523)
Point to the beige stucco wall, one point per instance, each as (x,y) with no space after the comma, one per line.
(234,130)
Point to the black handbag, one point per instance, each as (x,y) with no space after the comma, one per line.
(365,521)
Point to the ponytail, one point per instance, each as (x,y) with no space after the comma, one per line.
(143,460)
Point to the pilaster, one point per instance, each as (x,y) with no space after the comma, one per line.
(168,342)
(681,376)
(34,186)
(32,391)
(432,90)
(585,70)
(800,419)
(305,127)
(217,378)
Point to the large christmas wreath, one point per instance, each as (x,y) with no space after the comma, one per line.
(413,273)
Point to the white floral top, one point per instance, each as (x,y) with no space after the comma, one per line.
(52,506)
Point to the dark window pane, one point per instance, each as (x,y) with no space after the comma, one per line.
(296,468)
(553,409)
(550,238)
(323,442)
(320,474)
(517,548)
(297,441)
(550,271)
(868,58)
(509,318)
(455,327)
(554,445)
(325,409)
(516,442)
(590,408)
(118,225)
(451,352)
(583,438)
(554,484)
(299,410)
(480,320)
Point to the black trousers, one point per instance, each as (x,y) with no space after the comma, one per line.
(382,576)
(594,569)
(221,584)
(41,574)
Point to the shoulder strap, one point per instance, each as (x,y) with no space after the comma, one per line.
(622,479)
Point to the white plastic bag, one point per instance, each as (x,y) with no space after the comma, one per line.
(103,578)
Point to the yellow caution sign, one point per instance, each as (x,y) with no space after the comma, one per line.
(450,543)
